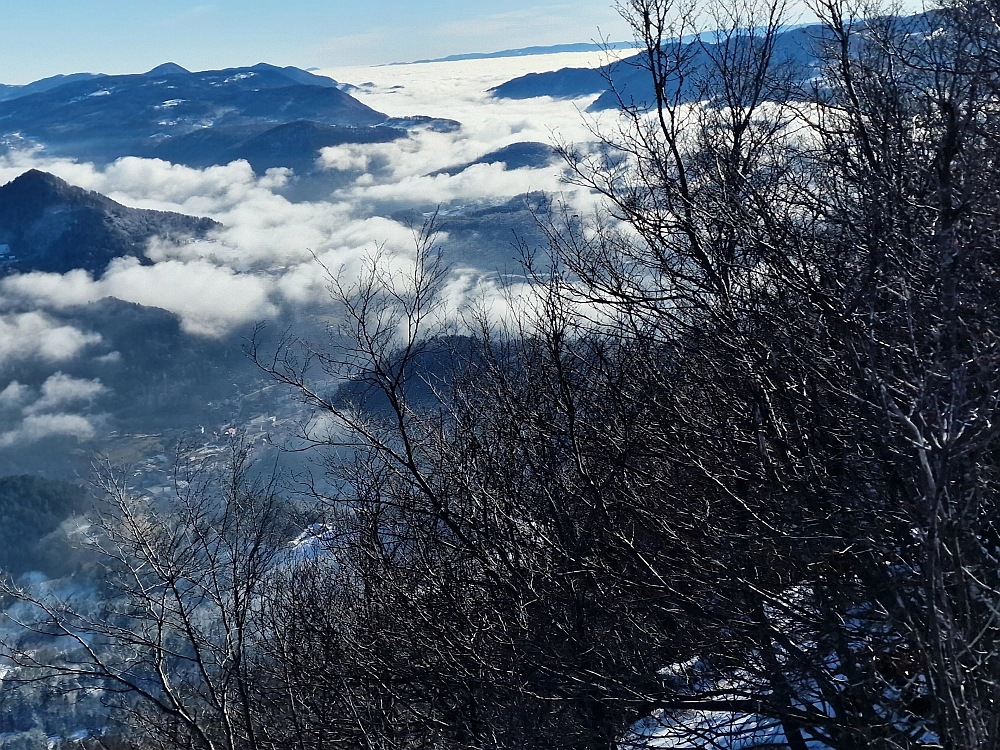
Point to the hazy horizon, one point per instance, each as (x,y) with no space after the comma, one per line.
(52,37)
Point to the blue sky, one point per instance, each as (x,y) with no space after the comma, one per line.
(45,37)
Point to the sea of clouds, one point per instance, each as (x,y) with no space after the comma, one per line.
(271,254)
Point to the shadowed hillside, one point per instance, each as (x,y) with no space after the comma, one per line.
(46,224)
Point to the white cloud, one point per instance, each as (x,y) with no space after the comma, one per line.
(14,395)
(38,426)
(36,335)
(45,414)
(60,390)
(480,182)
(209,299)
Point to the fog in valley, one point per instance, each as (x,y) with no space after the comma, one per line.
(83,371)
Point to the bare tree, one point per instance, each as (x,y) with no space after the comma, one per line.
(832,271)
(174,626)
(751,431)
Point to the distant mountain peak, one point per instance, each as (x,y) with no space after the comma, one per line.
(168,69)
(37,182)
(34,190)
(302,77)
(38,176)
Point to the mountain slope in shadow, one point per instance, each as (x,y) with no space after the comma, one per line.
(46,224)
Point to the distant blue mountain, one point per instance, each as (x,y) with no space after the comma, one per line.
(527,51)
(515,156)
(628,81)
(566,83)
(176,102)
(8,92)
(268,115)
(168,69)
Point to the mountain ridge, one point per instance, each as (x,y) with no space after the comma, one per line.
(46,224)
(626,81)
(15,91)
(200,119)
(103,118)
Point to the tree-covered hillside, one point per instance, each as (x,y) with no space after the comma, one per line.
(32,510)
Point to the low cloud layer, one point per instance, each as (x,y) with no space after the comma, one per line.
(210,299)
(35,335)
(27,415)
(265,258)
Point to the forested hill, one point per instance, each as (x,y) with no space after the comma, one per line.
(32,510)
(46,224)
